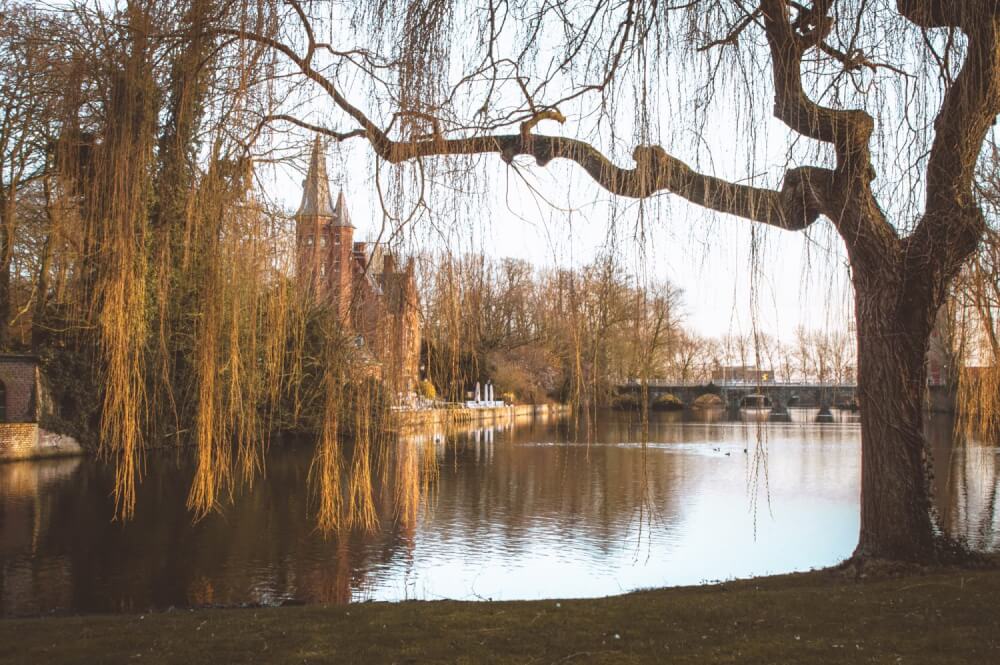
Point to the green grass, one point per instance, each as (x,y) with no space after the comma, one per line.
(944,616)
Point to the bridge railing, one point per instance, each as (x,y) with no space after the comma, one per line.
(668,383)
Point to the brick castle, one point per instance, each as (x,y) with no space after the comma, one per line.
(375,298)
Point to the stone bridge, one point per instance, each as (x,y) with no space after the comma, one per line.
(733,394)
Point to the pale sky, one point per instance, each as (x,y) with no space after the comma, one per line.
(802,278)
(562,218)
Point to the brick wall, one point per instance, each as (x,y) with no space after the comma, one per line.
(18,440)
(19,376)
(21,441)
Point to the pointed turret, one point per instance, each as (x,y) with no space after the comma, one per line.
(316,187)
(342,217)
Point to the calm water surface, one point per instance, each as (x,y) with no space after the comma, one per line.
(528,511)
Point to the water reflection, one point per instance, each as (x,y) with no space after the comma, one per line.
(792,414)
(537,509)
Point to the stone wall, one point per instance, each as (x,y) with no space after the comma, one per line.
(20,436)
(404,419)
(21,441)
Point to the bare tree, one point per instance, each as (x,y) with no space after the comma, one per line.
(842,354)
(900,271)
(786,362)
(690,359)
(25,111)
(805,363)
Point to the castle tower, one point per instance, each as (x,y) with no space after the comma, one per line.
(341,268)
(401,333)
(374,297)
(324,238)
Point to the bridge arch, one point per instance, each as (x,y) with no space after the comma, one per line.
(667,402)
(755,401)
(708,401)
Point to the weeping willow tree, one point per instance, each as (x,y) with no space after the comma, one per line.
(161,284)
(163,298)
(975,310)
(883,109)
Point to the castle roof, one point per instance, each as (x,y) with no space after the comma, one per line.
(316,199)
(340,211)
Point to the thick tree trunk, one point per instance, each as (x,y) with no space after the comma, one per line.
(896,505)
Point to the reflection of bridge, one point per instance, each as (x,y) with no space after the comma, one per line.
(733,394)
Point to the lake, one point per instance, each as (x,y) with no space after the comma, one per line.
(529,510)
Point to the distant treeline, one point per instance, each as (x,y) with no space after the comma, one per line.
(572,334)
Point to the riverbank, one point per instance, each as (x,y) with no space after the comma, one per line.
(829,616)
(478,415)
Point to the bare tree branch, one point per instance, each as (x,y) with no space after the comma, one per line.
(953,222)
(319,129)
(947,13)
(800,202)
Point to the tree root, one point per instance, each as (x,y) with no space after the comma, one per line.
(947,554)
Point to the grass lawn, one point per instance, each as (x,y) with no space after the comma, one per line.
(936,616)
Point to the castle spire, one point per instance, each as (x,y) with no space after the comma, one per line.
(340,211)
(316,187)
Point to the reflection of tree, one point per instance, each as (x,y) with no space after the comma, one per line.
(488,489)
(968,493)
(264,546)
(31,581)
(578,491)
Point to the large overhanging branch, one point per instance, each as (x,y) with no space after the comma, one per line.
(318,129)
(798,204)
(852,206)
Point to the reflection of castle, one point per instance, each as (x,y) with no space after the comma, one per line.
(372,296)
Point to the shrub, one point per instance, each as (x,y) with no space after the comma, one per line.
(427,389)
